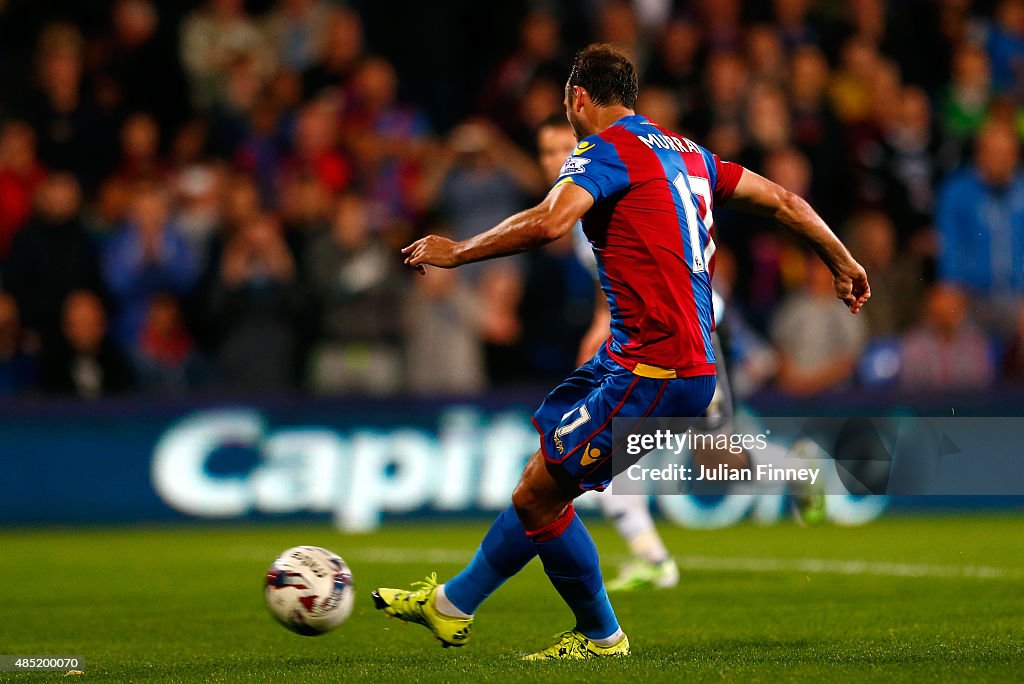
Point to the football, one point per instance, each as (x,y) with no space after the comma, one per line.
(309,590)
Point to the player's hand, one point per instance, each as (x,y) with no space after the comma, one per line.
(851,285)
(432,250)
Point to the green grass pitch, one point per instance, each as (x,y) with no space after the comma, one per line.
(903,599)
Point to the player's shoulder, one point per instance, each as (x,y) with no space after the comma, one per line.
(592,150)
(593,145)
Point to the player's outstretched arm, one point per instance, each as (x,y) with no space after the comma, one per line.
(529,229)
(759,195)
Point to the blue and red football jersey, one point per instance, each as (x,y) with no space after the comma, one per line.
(651,228)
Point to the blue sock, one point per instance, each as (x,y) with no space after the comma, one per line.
(571,563)
(503,552)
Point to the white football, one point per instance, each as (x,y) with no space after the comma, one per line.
(309,590)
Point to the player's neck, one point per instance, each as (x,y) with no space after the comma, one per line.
(606,116)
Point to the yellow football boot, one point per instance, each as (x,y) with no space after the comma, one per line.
(573,645)
(419,605)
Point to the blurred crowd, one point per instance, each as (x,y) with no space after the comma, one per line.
(209,197)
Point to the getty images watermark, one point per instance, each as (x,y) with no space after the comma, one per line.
(754,469)
(861,456)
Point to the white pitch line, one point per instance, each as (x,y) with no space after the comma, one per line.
(845,567)
(731,564)
(825,566)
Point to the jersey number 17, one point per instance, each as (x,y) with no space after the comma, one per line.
(687,187)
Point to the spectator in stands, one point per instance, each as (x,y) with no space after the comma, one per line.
(765,55)
(140,149)
(866,135)
(499,290)
(1004,41)
(536,55)
(720,24)
(725,84)
(261,151)
(658,104)
(910,164)
(256,309)
(241,203)
(817,132)
(980,219)
(317,153)
(674,66)
(137,48)
(198,193)
(965,103)
(213,38)
(770,261)
(147,256)
(339,55)
(51,257)
(288,113)
(817,340)
(17,364)
(768,124)
(355,280)
(896,280)
(20,175)
(868,19)
(851,83)
(542,100)
(479,179)
(297,31)
(618,24)
(1013,358)
(166,362)
(443,349)
(388,140)
(71,131)
(306,210)
(232,113)
(794,25)
(189,145)
(946,351)
(84,363)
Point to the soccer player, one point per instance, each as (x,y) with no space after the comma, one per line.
(646,197)
(650,565)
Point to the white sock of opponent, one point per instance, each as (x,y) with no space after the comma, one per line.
(631,514)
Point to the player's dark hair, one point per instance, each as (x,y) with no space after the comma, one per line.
(606,73)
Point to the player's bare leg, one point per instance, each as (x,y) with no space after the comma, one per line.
(539,499)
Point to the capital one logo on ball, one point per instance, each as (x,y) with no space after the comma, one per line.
(470,463)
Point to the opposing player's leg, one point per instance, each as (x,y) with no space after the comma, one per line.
(808,499)
(650,565)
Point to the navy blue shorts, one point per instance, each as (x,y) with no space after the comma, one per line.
(575,420)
